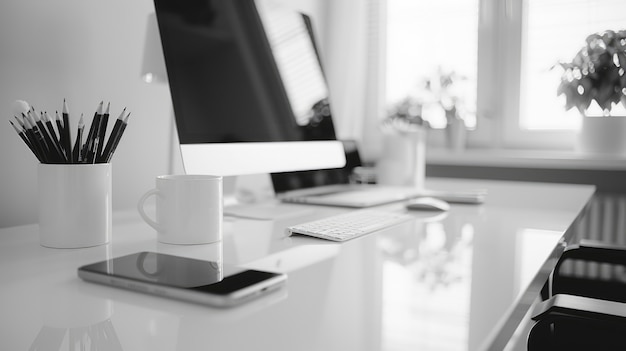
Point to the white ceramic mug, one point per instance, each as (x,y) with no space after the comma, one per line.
(188,209)
(75,203)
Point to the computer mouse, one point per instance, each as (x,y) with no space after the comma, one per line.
(427,203)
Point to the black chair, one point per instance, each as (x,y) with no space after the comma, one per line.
(585,301)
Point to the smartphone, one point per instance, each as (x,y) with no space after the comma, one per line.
(182,278)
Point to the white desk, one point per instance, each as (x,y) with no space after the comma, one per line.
(448,283)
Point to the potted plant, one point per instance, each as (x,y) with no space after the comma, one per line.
(447,91)
(595,80)
(403,159)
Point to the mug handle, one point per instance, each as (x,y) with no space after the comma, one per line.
(142,212)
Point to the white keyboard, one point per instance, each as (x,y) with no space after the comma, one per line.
(349,225)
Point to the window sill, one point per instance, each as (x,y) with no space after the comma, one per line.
(534,159)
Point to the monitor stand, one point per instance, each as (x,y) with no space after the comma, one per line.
(253,197)
(244,196)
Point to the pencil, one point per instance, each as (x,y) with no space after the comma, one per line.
(76,154)
(102,130)
(25,139)
(19,121)
(32,124)
(116,141)
(93,156)
(55,139)
(93,131)
(109,144)
(55,153)
(50,140)
(30,133)
(67,136)
(60,128)
(37,126)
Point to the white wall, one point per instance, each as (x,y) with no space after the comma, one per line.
(353,42)
(84,51)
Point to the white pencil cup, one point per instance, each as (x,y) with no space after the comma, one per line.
(75,205)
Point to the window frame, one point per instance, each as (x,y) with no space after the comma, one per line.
(500,68)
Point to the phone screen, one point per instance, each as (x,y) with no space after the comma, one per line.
(179,272)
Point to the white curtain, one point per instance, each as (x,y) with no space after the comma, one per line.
(353,54)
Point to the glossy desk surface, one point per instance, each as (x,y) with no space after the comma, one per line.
(457,281)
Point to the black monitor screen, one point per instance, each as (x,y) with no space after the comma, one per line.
(243,71)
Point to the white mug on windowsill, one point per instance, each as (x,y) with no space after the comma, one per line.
(189,209)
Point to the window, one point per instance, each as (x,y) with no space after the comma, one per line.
(554,31)
(508,50)
(427,38)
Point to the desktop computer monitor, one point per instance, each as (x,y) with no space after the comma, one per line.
(247,88)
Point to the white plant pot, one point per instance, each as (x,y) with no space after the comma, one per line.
(403,161)
(456,135)
(603,135)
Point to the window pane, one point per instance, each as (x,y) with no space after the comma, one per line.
(424,36)
(554,31)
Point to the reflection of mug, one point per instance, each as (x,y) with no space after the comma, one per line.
(178,271)
(188,209)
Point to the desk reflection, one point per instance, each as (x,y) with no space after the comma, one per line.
(443,283)
(73,319)
(100,336)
